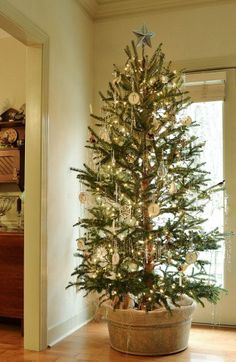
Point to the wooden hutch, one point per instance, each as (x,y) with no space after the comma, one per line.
(12,155)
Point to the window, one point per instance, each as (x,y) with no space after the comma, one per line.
(209,116)
(207,91)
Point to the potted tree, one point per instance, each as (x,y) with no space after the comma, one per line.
(144,192)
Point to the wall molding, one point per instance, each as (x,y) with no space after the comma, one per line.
(99,10)
(66,328)
(203,64)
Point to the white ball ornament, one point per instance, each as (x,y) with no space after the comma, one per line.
(187,121)
(132,267)
(134,98)
(191,257)
(164,79)
(83,197)
(153,210)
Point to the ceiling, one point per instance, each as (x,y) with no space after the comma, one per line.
(109,1)
(100,9)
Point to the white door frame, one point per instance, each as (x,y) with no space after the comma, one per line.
(35,233)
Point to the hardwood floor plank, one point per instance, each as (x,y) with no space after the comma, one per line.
(91,344)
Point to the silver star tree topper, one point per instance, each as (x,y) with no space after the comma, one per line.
(144,36)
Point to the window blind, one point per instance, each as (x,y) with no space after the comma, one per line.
(206,86)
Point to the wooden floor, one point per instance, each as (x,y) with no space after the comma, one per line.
(91,344)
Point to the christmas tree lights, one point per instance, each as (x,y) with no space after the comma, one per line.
(143,232)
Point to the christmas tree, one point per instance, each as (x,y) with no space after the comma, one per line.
(144,231)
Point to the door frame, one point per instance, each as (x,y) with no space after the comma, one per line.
(35,211)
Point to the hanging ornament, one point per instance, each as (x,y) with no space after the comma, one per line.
(113,160)
(92,139)
(113,228)
(152,80)
(153,210)
(132,221)
(186,121)
(156,124)
(191,257)
(134,98)
(164,79)
(184,142)
(180,279)
(80,244)
(169,257)
(173,188)
(104,135)
(115,258)
(125,212)
(83,197)
(183,268)
(86,254)
(132,267)
(117,80)
(112,275)
(130,158)
(101,252)
(162,171)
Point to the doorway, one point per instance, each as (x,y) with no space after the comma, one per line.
(35,232)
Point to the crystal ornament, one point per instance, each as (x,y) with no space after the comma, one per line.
(115,258)
(162,171)
(173,188)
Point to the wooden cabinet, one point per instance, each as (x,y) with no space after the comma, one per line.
(11,274)
(12,166)
(12,154)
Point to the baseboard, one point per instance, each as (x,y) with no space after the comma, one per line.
(64,329)
(213,326)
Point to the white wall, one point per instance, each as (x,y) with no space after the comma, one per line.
(12,73)
(70,93)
